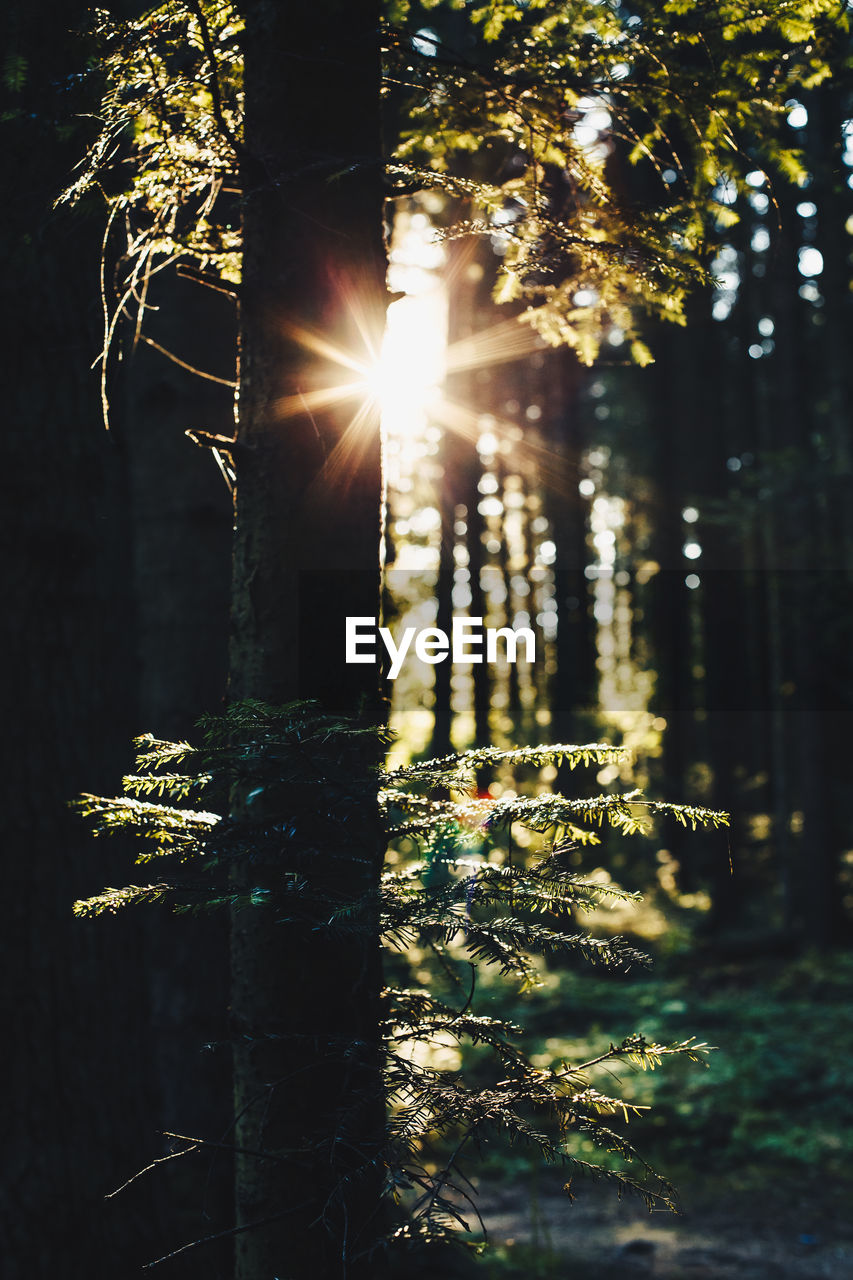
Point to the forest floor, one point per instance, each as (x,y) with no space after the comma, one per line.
(760,1145)
(774,1234)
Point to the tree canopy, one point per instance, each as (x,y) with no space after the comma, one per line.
(529,117)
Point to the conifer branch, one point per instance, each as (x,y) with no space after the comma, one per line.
(464,908)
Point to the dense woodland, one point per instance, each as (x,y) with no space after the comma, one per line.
(678,533)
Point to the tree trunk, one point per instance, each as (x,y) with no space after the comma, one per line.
(181,513)
(575,679)
(74,1005)
(306,557)
(669,617)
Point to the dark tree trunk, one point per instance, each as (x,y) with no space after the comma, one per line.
(575,680)
(670,621)
(726,605)
(823,554)
(73,1001)
(309,498)
(481,672)
(182,518)
(72,998)
(306,557)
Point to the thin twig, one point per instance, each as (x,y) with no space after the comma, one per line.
(222,1235)
(105,310)
(224,1146)
(467,1005)
(216,283)
(110,327)
(199,373)
(142,301)
(160,1160)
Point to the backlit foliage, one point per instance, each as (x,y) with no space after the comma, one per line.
(525,116)
(533,127)
(171,118)
(165,157)
(452,895)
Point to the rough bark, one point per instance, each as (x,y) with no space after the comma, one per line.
(309,496)
(306,557)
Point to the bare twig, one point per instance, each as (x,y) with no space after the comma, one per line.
(216,283)
(222,1235)
(200,373)
(153,1165)
(224,1146)
(205,440)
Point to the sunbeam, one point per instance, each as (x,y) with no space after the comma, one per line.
(508,340)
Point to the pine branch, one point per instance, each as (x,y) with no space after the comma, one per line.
(463,767)
(463,909)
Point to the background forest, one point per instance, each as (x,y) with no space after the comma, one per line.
(679,534)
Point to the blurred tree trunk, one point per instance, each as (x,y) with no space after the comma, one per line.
(575,680)
(74,1001)
(481,672)
(182,517)
(306,557)
(822,673)
(461,471)
(73,997)
(673,699)
(728,623)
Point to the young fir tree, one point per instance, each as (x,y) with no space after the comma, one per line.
(310,792)
(217,115)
